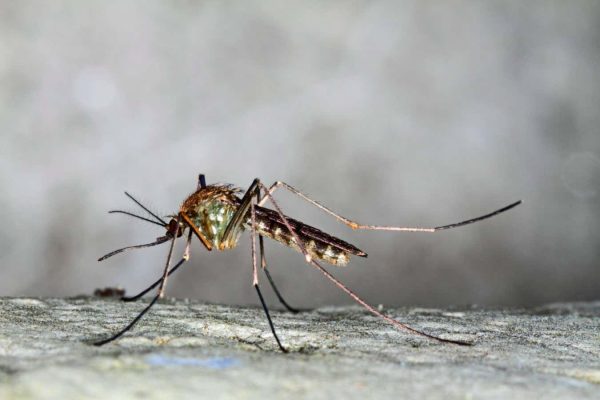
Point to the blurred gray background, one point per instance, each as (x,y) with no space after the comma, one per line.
(402,112)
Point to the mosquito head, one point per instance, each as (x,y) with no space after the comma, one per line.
(174,228)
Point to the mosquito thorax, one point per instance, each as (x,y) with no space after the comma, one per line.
(211,208)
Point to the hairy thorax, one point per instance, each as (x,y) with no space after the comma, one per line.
(211,209)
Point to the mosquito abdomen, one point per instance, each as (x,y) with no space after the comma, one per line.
(318,244)
(316,248)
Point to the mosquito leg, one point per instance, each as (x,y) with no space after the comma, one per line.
(356,225)
(196,231)
(154,285)
(163,283)
(263,263)
(186,256)
(379,314)
(238,217)
(264,305)
(255,279)
(339,284)
(128,327)
(161,290)
(271,281)
(236,221)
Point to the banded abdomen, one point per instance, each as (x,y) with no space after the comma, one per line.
(319,244)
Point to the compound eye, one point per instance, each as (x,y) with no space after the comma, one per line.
(173,227)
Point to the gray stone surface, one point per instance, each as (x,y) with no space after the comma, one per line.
(187,349)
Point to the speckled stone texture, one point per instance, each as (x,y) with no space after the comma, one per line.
(188,350)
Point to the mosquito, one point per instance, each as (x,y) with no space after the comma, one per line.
(217,215)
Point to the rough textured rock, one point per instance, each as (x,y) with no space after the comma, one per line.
(187,349)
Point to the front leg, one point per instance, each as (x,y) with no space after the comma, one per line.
(186,256)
